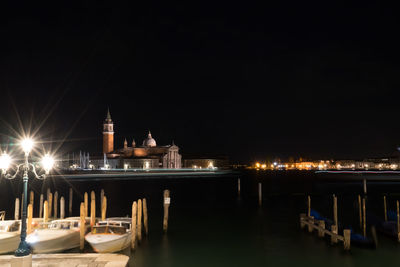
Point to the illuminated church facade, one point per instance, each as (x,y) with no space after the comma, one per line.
(149,155)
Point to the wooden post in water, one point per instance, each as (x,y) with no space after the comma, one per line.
(346,239)
(62,208)
(321,232)
(101,197)
(70,201)
(41,206)
(360,210)
(145,218)
(55,205)
(335,218)
(385,208)
(308,206)
(238,187)
(334,230)
(139,221)
(16,210)
(310,228)
(46,211)
(86,204)
(50,204)
(364,219)
(398,222)
(92,213)
(29,223)
(82,226)
(260,194)
(365,186)
(31,198)
(104,208)
(133,226)
(167,202)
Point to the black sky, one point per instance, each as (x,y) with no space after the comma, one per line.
(245,79)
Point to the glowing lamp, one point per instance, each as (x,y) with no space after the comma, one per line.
(27,145)
(5,161)
(47,162)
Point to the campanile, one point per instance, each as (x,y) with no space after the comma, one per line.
(108,134)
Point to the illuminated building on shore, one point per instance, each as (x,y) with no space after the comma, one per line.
(147,156)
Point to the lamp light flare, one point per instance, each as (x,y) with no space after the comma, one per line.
(47,162)
(27,145)
(5,161)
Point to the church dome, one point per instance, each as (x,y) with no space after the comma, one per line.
(149,141)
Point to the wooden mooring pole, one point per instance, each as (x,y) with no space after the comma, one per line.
(398,221)
(238,187)
(139,221)
(145,218)
(364,219)
(101,197)
(41,206)
(32,198)
(335,217)
(104,208)
(55,205)
(260,194)
(16,210)
(50,200)
(92,212)
(30,215)
(385,208)
(82,226)
(46,211)
(365,186)
(360,211)
(86,203)
(133,226)
(308,206)
(167,202)
(62,208)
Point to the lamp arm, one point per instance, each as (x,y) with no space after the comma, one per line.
(8,175)
(37,176)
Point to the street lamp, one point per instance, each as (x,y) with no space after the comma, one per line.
(27,145)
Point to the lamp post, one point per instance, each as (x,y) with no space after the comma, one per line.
(27,145)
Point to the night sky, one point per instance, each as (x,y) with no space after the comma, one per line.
(241,79)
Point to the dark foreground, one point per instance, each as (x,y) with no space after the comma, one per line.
(211,226)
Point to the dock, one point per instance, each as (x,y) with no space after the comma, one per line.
(72,260)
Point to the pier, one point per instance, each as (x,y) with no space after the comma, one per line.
(70,260)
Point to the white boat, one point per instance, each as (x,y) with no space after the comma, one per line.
(10,234)
(111,235)
(56,236)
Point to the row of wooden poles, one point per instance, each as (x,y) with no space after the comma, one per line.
(52,204)
(307,219)
(139,211)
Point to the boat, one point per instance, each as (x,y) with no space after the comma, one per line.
(56,236)
(111,235)
(10,234)
(356,239)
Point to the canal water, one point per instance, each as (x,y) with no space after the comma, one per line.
(210,225)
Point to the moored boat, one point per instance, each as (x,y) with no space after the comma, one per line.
(111,235)
(56,236)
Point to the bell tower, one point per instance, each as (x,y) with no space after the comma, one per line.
(108,134)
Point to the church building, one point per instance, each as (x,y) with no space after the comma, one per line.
(149,155)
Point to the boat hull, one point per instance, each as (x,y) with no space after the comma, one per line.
(104,243)
(9,242)
(48,242)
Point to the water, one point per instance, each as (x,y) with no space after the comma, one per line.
(210,226)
